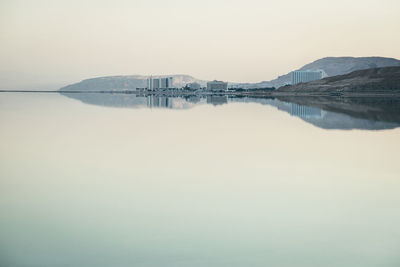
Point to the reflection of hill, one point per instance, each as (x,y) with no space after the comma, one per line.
(109,99)
(332,120)
(336,116)
(326,113)
(371,108)
(133,101)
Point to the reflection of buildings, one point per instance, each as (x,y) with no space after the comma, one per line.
(342,118)
(154,101)
(304,111)
(217,86)
(193,99)
(217,100)
(301,76)
(159,83)
(157,101)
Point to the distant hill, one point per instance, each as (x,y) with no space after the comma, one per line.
(377,80)
(132,82)
(333,66)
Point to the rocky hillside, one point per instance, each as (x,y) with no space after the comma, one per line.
(333,66)
(125,83)
(377,80)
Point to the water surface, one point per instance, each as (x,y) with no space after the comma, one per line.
(217,181)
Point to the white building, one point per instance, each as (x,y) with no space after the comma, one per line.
(217,86)
(303,76)
(160,83)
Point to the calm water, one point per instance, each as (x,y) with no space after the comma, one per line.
(114,180)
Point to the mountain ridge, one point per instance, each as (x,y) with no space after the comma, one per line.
(332,66)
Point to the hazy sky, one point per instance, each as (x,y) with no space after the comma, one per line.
(58,42)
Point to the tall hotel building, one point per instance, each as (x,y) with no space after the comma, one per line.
(301,76)
(159,83)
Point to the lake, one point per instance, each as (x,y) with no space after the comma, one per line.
(118,180)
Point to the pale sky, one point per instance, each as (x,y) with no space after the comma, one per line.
(57,42)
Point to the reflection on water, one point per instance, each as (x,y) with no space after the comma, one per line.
(331,113)
(217,99)
(197,181)
(306,112)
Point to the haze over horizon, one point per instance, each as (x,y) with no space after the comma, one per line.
(58,42)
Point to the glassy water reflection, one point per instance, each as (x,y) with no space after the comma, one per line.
(339,113)
(210,181)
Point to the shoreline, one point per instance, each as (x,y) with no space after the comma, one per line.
(227,93)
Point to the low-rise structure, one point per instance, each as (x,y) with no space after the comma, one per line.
(217,86)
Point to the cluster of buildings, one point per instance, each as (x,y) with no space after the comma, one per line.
(160,83)
(214,86)
(298,76)
(168,83)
